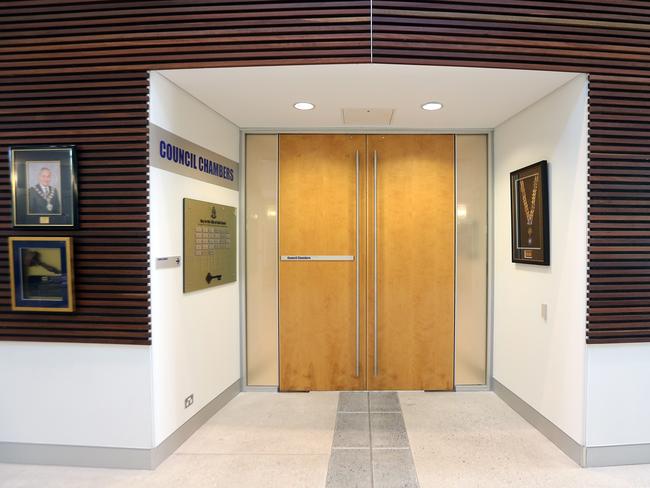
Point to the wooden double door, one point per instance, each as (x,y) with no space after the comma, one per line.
(366,272)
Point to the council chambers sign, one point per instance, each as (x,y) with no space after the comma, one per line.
(173,153)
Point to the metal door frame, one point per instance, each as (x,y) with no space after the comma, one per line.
(371,131)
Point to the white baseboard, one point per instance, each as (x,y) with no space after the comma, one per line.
(557,436)
(111,457)
(585,456)
(600,456)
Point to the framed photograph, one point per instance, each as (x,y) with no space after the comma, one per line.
(529,210)
(44,186)
(41,274)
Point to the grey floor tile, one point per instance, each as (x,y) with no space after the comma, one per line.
(353,401)
(352,430)
(384,401)
(349,468)
(388,430)
(393,468)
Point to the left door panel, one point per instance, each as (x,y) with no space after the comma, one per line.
(322,313)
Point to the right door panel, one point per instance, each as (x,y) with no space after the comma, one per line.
(411,260)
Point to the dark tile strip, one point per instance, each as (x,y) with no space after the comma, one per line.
(352,430)
(392,468)
(370,446)
(349,468)
(353,401)
(384,401)
(388,430)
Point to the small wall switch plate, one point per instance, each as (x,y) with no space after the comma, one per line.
(544,311)
(189,401)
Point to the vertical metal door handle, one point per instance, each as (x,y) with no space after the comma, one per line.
(374,221)
(357,259)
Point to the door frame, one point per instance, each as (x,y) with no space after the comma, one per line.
(371,131)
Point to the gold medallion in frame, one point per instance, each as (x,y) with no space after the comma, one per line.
(529,202)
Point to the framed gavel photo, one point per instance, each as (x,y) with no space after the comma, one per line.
(41,274)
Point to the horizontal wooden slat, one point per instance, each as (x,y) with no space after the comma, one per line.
(610,42)
(76,72)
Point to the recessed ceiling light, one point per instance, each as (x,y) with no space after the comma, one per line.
(432,106)
(303,105)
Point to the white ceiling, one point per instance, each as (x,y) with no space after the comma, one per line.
(263,97)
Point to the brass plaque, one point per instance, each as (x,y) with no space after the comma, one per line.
(209,245)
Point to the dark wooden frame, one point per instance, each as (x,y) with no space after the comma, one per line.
(72,182)
(540,256)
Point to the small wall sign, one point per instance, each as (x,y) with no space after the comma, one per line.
(178,155)
(209,245)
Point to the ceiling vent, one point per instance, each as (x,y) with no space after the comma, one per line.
(367,116)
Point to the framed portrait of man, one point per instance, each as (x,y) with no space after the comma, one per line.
(44,186)
(41,274)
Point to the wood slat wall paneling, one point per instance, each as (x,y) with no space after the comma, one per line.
(611,42)
(111,245)
(76,72)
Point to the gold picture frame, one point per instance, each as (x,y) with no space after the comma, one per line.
(42,274)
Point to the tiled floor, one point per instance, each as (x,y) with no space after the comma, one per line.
(457,440)
(370,447)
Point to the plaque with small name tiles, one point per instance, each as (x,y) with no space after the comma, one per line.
(209,245)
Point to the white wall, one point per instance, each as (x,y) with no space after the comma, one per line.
(133,396)
(543,362)
(618,394)
(196,346)
(75,394)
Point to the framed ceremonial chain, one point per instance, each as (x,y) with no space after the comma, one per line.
(41,274)
(529,211)
(44,186)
